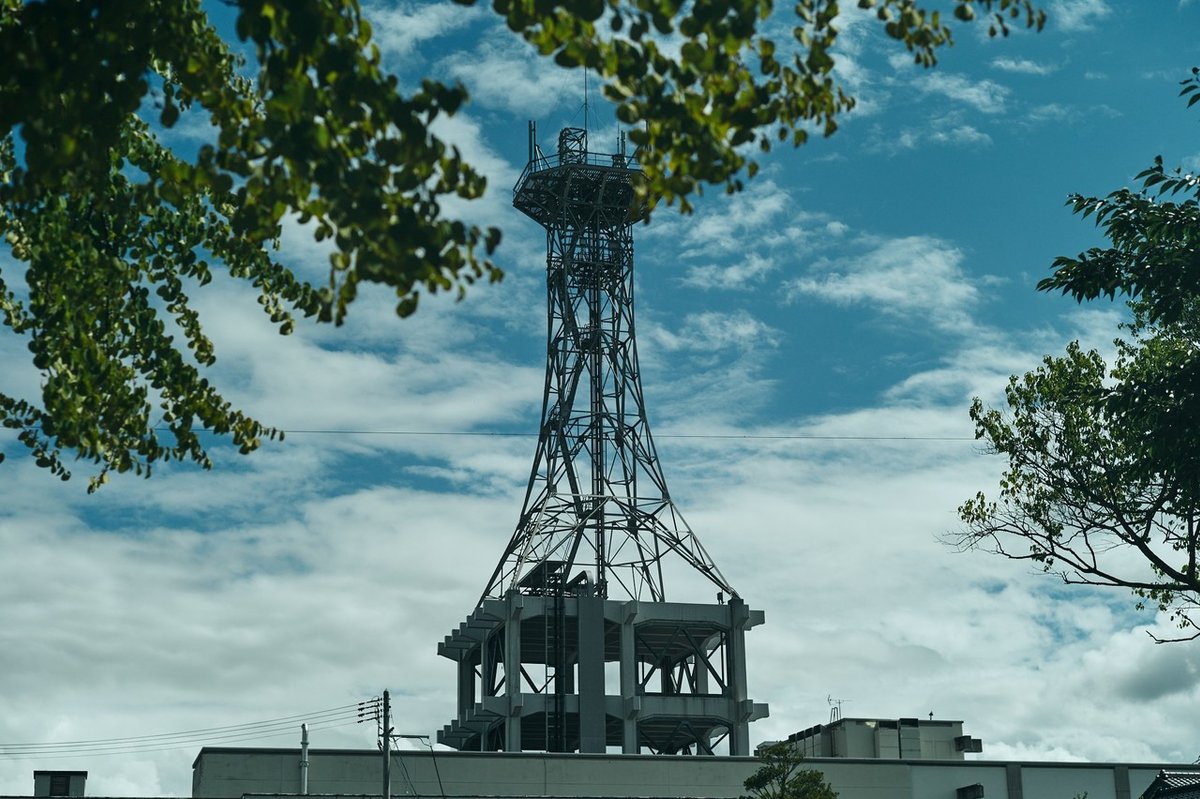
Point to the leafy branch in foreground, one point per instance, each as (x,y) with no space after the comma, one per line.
(1103,480)
(112,229)
(1079,495)
(108,230)
(732,89)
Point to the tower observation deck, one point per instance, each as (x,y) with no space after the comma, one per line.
(580,583)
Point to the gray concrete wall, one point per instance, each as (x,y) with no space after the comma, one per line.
(220,773)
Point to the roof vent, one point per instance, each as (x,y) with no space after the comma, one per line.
(965,743)
(59,783)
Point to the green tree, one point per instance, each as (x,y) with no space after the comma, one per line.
(1102,485)
(107,230)
(781,776)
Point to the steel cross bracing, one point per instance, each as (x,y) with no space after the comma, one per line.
(597,516)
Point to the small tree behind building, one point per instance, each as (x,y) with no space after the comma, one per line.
(781,776)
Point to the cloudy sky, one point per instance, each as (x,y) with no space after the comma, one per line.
(809,351)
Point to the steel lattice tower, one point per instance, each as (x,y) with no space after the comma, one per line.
(580,584)
(597,499)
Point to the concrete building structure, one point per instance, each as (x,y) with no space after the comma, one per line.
(580,586)
(910,738)
(678,686)
(59,783)
(234,773)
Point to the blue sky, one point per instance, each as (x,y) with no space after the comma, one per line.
(862,289)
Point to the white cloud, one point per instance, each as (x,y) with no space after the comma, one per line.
(727,227)
(375,373)
(466,132)
(298,552)
(751,269)
(903,61)
(907,140)
(504,72)
(1076,15)
(913,277)
(1023,66)
(964,135)
(399,29)
(947,129)
(712,330)
(1049,112)
(986,96)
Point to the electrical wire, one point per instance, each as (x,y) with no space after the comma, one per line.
(280,720)
(257,730)
(716,436)
(433,756)
(161,746)
(407,777)
(660,437)
(235,728)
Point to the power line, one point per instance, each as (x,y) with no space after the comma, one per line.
(660,437)
(716,436)
(285,725)
(300,716)
(163,746)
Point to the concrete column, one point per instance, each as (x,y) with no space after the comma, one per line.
(466,685)
(512,672)
(701,668)
(1121,785)
(629,739)
(735,673)
(591,674)
(1012,778)
(487,666)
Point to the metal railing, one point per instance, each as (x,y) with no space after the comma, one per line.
(541,163)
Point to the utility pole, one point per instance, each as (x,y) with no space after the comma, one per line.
(386,743)
(304,759)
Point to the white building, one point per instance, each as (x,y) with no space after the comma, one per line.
(860,758)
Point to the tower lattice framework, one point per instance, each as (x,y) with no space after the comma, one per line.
(573,646)
(597,500)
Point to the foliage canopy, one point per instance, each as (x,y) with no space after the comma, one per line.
(781,777)
(107,229)
(1103,484)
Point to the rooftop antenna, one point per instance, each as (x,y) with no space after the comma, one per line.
(586,126)
(835,708)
